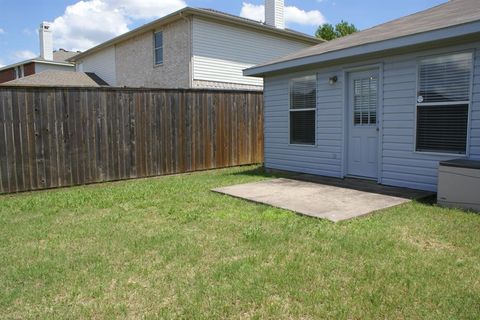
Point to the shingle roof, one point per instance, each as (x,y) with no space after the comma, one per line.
(452,13)
(262,24)
(59,57)
(54,78)
(63,55)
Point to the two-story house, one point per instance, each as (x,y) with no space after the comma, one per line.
(194,48)
(48,60)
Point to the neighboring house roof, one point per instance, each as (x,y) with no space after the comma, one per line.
(408,30)
(205,13)
(262,24)
(63,55)
(54,78)
(60,57)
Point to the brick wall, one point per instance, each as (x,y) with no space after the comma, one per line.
(29,69)
(7,75)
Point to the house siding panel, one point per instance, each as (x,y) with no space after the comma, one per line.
(322,159)
(39,67)
(412,169)
(221,52)
(400,165)
(102,64)
(475,112)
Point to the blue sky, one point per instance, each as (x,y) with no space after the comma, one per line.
(79,25)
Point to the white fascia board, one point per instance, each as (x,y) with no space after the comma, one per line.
(390,44)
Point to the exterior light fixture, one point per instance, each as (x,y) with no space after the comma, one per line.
(333,80)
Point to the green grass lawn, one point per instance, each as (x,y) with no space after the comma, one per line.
(170,248)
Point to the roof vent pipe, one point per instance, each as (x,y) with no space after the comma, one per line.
(274,13)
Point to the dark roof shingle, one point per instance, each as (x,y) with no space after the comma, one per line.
(53,78)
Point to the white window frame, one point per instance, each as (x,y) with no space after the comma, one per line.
(290,110)
(439,104)
(158,48)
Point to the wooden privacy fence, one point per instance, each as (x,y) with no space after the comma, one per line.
(56,137)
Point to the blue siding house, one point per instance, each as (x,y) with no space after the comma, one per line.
(387,103)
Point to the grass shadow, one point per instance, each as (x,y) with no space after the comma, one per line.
(430,200)
(261,171)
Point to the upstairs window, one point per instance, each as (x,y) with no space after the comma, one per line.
(303,102)
(18,72)
(443,101)
(158,47)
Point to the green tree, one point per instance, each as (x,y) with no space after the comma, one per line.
(344,28)
(328,32)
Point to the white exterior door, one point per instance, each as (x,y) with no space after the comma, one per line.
(362,159)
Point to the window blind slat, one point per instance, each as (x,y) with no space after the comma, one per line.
(446,78)
(365,101)
(303,95)
(442,128)
(302,127)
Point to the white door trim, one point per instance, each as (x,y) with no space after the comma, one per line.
(346,79)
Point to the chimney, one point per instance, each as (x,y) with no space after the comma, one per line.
(274,13)
(46,41)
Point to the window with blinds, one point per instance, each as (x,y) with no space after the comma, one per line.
(158,47)
(303,102)
(365,101)
(443,102)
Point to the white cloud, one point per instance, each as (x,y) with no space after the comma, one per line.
(299,16)
(88,23)
(147,9)
(24,55)
(252,11)
(292,14)
(2,31)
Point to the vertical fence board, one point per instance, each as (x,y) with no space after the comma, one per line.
(54,137)
(85,110)
(60,138)
(92,116)
(126,135)
(22,103)
(51,149)
(4,187)
(17,143)
(122,103)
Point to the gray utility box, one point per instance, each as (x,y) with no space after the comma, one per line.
(459,184)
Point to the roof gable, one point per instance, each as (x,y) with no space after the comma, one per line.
(204,13)
(60,57)
(450,14)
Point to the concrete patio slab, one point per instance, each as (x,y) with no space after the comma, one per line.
(332,199)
